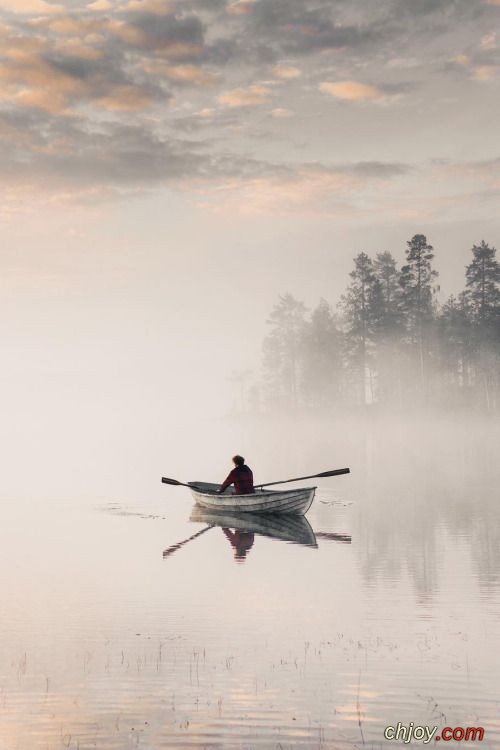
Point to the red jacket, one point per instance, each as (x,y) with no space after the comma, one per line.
(242,478)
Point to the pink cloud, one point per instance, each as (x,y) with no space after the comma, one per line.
(351,91)
(188,74)
(286,72)
(30,6)
(249,96)
(125,99)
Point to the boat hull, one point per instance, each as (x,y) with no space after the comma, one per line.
(297,501)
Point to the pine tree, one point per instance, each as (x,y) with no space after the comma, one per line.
(456,347)
(388,275)
(417,285)
(483,294)
(322,377)
(388,328)
(282,352)
(418,289)
(483,284)
(361,305)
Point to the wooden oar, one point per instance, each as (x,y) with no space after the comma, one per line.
(332,473)
(166,480)
(174,547)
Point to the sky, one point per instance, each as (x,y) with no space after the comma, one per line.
(169,167)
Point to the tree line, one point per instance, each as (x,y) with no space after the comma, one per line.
(389,342)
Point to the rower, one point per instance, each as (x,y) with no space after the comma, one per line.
(241,476)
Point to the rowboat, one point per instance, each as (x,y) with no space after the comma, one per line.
(296,501)
(286,528)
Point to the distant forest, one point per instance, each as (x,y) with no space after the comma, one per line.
(389,344)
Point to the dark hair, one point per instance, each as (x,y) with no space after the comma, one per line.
(238,460)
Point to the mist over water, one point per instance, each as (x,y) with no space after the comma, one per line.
(267,228)
(109,645)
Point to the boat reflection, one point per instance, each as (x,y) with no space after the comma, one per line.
(286,528)
(240,529)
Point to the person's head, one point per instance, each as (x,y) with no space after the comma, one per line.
(238,460)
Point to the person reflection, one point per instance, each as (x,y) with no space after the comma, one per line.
(241,542)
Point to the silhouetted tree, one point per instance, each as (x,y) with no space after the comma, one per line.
(388,275)
(483,284)
(388,328)
(322,353)
(282,352)
(456,348)
(418,288)
(392,341)
(361,305)
(483,293)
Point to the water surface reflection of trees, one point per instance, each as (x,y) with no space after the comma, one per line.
(418,482)
(424,484)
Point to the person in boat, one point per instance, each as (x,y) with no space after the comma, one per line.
(241,476)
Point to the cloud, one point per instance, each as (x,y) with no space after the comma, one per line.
(125,99)
(241,7)
(281,113)
(484,72)
(363,191)
(39,99)
(481,64)
(489,41)
(286,72)
(30,81)
(249,96)
(463,60)
(171,35)
(73,25)
(181,74)
(486,171)
(351,91)
(127,92)
(302,188)
(65,66)
(155,7)
(287,28)
(77,49)
(66,154)
(99,5)
(31,6)
(378,170)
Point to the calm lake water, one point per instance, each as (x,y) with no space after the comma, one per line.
(382,607)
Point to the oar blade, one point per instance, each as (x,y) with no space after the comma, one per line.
(334,472)
(166,480)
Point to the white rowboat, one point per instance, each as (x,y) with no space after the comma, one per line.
(296,501)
